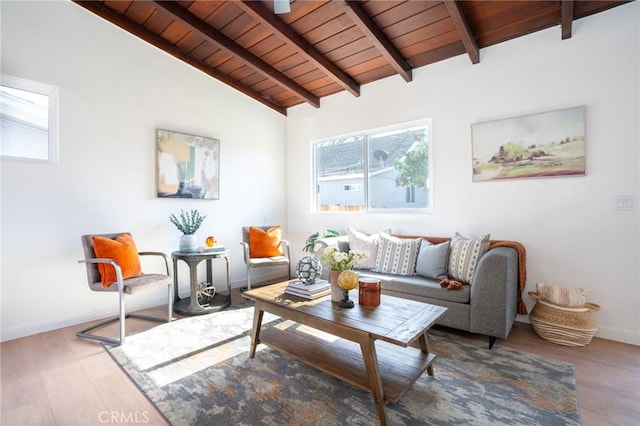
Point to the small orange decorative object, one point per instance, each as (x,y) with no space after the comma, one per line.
(210,241)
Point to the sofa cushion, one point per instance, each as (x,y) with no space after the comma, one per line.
(361,241)
(464,256)
(397,255)
(419,286)
(432,260)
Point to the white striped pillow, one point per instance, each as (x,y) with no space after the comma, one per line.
(397,255)
(464,256)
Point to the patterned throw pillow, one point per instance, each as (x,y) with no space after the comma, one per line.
(361,241)
(397,255)
(464,256)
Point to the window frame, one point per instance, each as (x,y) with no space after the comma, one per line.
(52,120)
(366,134)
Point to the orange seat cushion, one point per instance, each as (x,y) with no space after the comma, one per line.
(265,243)
(123,250)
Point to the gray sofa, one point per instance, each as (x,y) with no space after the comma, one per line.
(488,305)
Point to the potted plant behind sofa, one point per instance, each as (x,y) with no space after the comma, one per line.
(188,223)
(310,244)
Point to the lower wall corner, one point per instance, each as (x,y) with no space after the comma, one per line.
(621,335)
(30,329)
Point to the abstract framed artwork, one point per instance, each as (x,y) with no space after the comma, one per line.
(548,144)
(188,166)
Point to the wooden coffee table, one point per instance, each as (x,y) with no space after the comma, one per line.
(372,350)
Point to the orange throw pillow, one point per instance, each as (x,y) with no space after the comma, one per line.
(123,250)
(265,243)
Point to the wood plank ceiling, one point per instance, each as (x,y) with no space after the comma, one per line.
(322,47)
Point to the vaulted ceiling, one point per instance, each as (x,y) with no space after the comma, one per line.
(321,47)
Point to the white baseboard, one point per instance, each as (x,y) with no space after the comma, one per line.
(29,329)
(619,335)
(109,310)
(610,333)
(262,275)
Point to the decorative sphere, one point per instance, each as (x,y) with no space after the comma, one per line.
(308,269)
(348,280)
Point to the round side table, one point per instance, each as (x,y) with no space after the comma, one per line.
(191,306)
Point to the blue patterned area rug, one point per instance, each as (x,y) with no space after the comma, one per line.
(197,372)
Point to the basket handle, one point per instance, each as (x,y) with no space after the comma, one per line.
(592,306)
(534,295)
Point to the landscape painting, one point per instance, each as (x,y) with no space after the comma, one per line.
(538,145)
(188,166)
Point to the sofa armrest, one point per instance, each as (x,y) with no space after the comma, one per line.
(494,293)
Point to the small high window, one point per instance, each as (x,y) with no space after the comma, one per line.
(28,120)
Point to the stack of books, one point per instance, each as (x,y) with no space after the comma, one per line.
(308,291)
(215,249)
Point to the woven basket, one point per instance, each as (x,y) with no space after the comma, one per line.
(568,326)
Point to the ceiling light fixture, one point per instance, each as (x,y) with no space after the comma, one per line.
(281,6)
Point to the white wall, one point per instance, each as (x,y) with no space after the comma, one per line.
(115,90)
(573,235)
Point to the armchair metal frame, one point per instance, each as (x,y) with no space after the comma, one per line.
(264,262)
(122,287)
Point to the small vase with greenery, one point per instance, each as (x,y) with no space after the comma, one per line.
(188,223)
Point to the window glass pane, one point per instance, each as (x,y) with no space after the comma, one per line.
(24,123)
(398,169)
(339,174)
(384,170)
(28,115)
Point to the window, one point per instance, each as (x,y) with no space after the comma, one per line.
(380,170)
(28,120)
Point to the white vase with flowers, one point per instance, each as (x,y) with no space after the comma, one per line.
(339,261)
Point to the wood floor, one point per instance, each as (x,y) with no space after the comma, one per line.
(55,378)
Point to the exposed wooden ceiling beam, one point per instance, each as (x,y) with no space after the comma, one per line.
(567,18)
(241,54)
(364,22)
(462,26)
(104,12)
(268,19)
